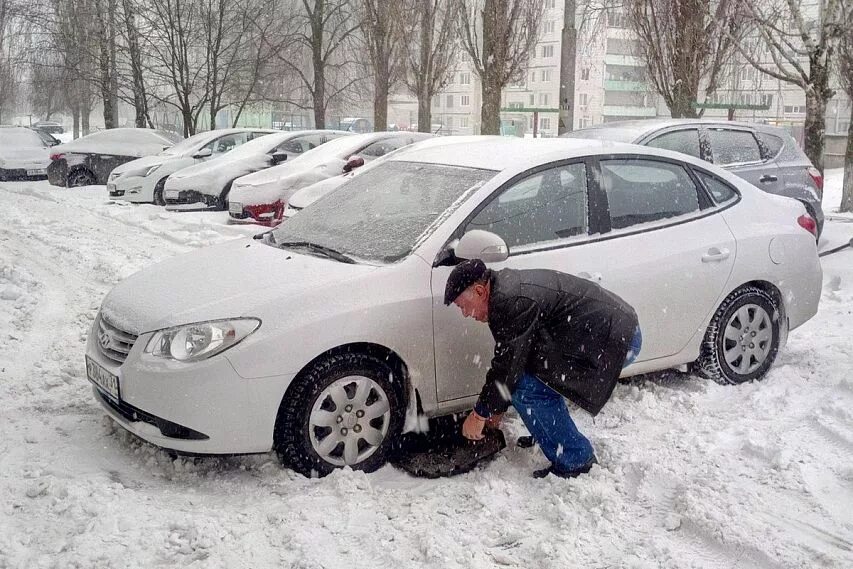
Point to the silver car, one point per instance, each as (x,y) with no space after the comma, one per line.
(765,156)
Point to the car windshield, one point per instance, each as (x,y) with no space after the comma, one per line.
(18,137)
(340,148)
(188,144)
(382,214)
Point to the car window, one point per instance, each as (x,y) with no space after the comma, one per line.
(773,143)
(721,192)
(292,146)
(227,143)
(733,146)
(644,191)
(383,147)
(684,141)
(543,207)
(254,135)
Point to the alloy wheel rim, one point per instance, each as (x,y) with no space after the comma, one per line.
(747,339)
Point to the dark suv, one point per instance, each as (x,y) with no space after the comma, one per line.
(766,156)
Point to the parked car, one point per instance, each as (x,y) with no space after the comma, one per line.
(766,156)
(319,336)
(90,160)
(24,154)
(144,180)
(209,184)
(261,197)
(49,127)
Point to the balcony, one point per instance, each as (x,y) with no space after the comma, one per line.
(631,60)
(626,111)
(637,86)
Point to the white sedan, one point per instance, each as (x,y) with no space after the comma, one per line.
(208,184)
(317,339)
(144,180)
(23,154)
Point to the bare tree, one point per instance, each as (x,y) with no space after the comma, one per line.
(499,36)
(382,31)
(801,40)
(131,39)
(431,49)
(7,79)
(845,57)
(685,44)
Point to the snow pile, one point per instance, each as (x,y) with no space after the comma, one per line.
(692,474)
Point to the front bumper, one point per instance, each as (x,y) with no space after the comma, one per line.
(268,215)
(204,407)
(131,188)
(39,173)
(184,197)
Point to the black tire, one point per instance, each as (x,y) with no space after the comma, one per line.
(292,437)
(79,177)
(712,362)
(158,192)
(222,200)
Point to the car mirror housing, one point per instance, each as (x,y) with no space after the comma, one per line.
(203,153)
(352,163)
(279,157)
(484,245)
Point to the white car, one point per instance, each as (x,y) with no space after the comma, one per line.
(208,184)
(144,180)
(23,154)
(261,197)
(317,339)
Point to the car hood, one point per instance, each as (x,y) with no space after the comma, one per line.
(141,164)
(214,174)
(230,280)
(308,195)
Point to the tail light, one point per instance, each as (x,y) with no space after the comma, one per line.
(818,180)
(57,156)
(808,223)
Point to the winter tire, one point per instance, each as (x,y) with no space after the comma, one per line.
(158,192)
(743,339)
(79,177)
(346,411)
(222,200)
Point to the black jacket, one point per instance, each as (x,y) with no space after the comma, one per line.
(569,332)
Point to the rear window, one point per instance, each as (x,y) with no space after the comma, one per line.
(684,141)
(721,192)
(772,142)
(733,146)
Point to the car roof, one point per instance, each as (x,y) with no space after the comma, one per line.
(502,152)
(629,131)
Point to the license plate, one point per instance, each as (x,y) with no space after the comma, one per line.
(107,382)
(172,194)
(37,172)
(235,207)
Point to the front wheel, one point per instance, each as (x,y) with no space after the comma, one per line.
(158,192)
(80,177)
(743,339)
(346,411)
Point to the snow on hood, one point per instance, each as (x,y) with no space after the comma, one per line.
(141,164)
(308,195)
(214,174)
(284,187)
(234,279)
(117,142)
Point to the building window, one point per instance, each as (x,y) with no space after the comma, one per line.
(465,78)
(550,4)
(466,101)
(448,122)
(543,99)
(530,122)
(450,101)
(546,75)
(583,99)
(550,26)
(463,122)
(616,19)
(532,99)
(585,74)
(545,123)
(533,77)
(767,100)
(794,109)
(547,51)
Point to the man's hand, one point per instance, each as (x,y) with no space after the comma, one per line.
(472,428)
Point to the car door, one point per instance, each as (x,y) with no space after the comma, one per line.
(684,140)
(738,150)
(545,209)
(225,144)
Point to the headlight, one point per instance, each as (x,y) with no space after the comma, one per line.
(194,342)
(151,170)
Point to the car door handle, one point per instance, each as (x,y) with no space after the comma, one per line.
(597,277)
(714,255)
(767,178)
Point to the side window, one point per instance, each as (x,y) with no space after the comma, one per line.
(226,143)
(773,143)
(719,191)
(314,140)
(733,146)
(254,135)
(684,141)
(543,207)
(382,147)
(291,146)
(643,191)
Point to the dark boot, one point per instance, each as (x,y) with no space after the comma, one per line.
(565,473)
(525,442)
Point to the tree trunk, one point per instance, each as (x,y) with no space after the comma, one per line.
(568,51)
(424,109)
(319,66)
(85,111)
(847,188)
(815,127)
(490,114)
(75,117)
(380,100)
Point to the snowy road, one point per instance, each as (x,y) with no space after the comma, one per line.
(692,474)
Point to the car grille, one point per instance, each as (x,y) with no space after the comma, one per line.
(113,342)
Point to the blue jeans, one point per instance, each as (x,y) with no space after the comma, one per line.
(546,416)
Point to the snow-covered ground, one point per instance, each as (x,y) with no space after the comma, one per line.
(692,474)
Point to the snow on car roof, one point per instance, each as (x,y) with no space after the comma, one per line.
(120,142)
(499,152)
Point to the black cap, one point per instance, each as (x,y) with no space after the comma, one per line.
(463,275)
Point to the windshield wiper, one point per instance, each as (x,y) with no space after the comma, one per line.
(314,248)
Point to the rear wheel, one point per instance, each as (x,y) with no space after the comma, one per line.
(80,177)
(743,339)
(346,411)
(158,192)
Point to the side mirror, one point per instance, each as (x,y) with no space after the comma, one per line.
(279,157)
(484,245)
(353,163)
(203,153)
